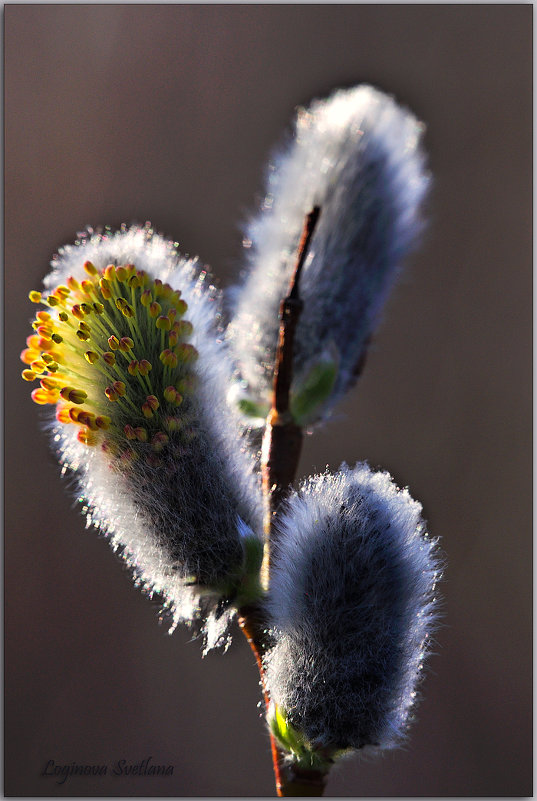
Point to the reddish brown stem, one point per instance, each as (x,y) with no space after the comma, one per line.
(282,442)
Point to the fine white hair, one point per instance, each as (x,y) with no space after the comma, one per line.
(186,524)
(352,605)
(357,155)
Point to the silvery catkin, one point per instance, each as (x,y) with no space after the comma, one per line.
(357,155)
(351,605)
(127,352)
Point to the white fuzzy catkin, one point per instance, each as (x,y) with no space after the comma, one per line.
(185,517)
(356,155)
(352,606)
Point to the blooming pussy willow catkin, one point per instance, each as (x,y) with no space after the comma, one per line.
(126,351)
(352,606)
(357,156)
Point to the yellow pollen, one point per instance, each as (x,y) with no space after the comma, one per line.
(87,437)
(121,274)
(86,308)
(113,343)
(110,272)
(29,355)
(52,301)
(73,284)
(38,366)
(77,396)
(155,309)
(63,291)
(62,414)
(146,298)
(77,311)
(169,358)
(43,316)
(45,332)
(99,308)
(49,383)
(35,296)
(129,432)
(63,316)
(186,353)
(28,375)
(90,268)
(105,288)
(163,323)
(91,356)
(82,335)
(87,419)
(42,396)
(144,367)
(125,344)
(57,338)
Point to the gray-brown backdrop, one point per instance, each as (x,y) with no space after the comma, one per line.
(167,113)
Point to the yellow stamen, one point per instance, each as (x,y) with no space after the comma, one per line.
(110,272)
(91,356)
(43,396)
(125,344)
(35,296)
(105,288)
(169,358)
(28,375)
(90,268)
(129,432)
(29,355)
(186,353)
(87,437)
(163,323)
(38,366)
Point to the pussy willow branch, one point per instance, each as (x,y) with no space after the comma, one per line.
(282,442)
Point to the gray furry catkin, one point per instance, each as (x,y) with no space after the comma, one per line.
(127,351)
(351,605)
(357,155)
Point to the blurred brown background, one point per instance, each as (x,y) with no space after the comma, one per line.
(168,112)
